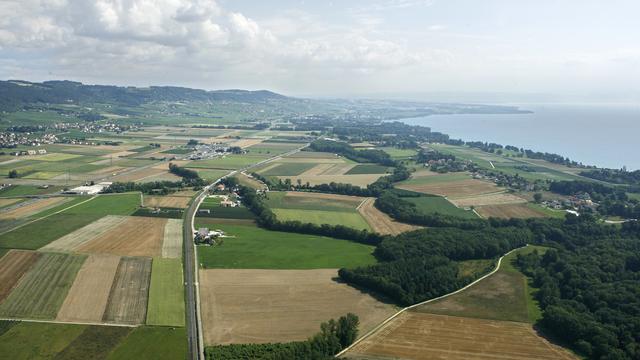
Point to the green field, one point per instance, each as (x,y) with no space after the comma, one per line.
(287,169)
(475,268)
(319,217)
(41,292)
(166,295)
(37,340)
(153,343)
(559,214)
(635,196)
(43,231)
(367,169)
(178,151)
(58,157)
(271,149)
(249,247)
(434,179)
(20,190)
(95,342)
(398,153)
(438,204)
(239,212)
(211,175)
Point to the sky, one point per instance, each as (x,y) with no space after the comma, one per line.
(350,48)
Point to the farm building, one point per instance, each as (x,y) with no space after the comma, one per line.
(89,189)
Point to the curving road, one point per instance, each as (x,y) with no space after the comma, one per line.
(194,324)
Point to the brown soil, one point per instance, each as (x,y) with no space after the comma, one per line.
(488,199)
(424,336)
(87,298)
(34,207)
(76,238)
(508,211)
(381,222)
(136,236)
(13,265)
(138,175)
(263,306)
(129,292)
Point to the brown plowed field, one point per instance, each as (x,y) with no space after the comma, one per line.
(34,207)
(75,239)
(172,243)
(419,336)
(180,202)
(263,306)
(13,265)
(381,222)
(136,236)
(501,198)
(454,189)
(129,292)
(508,211)
(87,298)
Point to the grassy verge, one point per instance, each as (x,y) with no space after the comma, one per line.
(166,295)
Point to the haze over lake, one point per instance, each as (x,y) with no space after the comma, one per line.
(604,135)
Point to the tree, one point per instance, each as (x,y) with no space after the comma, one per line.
(13,174)
(537,197)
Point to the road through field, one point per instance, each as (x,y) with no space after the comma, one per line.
(382,324)
(194,324)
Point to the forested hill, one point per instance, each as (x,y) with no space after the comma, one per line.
(15,94)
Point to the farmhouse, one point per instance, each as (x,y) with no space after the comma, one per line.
(206,236)
(42,151)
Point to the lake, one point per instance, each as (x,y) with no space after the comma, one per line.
(602,135)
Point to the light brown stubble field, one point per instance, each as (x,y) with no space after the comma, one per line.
(136,236)
(381,222)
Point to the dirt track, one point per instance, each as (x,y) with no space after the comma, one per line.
(13,265)
(129,293)
(425,337)
(136,236)
(381,222)
(87,298)
(261,306)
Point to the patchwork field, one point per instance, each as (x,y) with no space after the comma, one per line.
(260,306)
(73,240)
(429,204)
(32,207)
(40,293)
(313,201)
(87,298)
(250,247)
(320,217)
(426,336)
(13,265)
(381,222)
(136,236)
(166,296)
(509,211)
(129,292)
(285,169)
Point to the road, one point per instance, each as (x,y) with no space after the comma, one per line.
(194,325)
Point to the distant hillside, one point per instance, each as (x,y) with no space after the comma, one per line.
(15,94)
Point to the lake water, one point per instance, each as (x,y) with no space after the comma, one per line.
(601,135)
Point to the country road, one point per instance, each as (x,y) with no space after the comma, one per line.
(194,325)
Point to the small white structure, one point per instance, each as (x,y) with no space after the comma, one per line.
(42,151)
(89,189)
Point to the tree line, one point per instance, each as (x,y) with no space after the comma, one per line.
(332,338)
(153,187)
(346,150)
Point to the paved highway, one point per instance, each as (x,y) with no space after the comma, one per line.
(194,324)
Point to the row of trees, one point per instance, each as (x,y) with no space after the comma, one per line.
(332,338)
(344,149)
(153,187)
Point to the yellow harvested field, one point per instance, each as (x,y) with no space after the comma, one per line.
(353,200)
(361,180)
(521,211)
(454,189)
(29,208)
(108,170)
(180,202)
(136,236)
(419,336)
(88,296)
(317,170)
(338,169)
(381,222)
(245,143)
(172,240)
(75,239)
(264,306)
(500,198)
(7,202)
(311,160)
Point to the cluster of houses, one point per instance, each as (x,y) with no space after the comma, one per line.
(209,151)
(512,181)
(12,140)
(94,127)
(208,237)
(29,152)
(576,202)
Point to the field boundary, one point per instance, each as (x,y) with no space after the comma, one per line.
(70,322)
(382,324)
